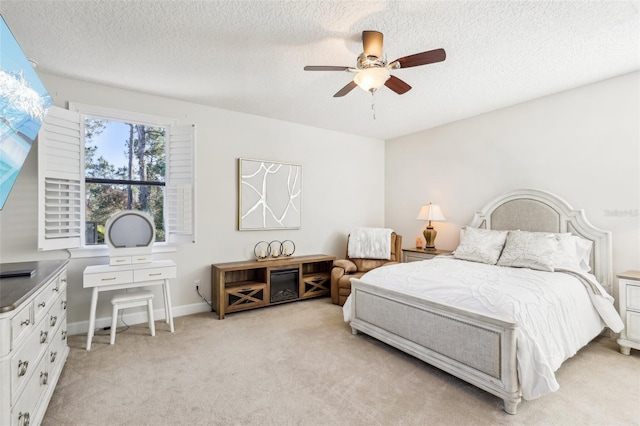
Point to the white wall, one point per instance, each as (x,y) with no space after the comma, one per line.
(583,145)
(335,168)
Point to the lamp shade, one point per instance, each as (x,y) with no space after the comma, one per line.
(431,212)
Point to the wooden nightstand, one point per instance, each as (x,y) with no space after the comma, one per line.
(416,254)
(629,295)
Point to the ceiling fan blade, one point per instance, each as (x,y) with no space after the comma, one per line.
(324,68)
(397,85)
(346,89)
(424,58)
(372,43)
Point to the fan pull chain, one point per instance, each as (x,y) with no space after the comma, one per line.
(373,103)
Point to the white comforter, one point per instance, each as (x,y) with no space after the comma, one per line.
(557,313)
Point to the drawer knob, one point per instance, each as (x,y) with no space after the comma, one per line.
(53,356)
(155,274)
(42,305)
(44,377)
(54,320)
(108,279)
(23,419)
(22,368)
(25,322)
(43,336)
(64,304)
(63,335)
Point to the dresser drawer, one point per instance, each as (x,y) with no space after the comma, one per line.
(24,361)
(633,295)
(21,324)
(55,314)
(152,274)
(44,300)
(55,353)
(25,408)
(108,278)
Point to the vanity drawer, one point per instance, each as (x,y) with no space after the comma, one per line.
(120,260)
(129,260)
(108,278)
(152,274)
(142,258)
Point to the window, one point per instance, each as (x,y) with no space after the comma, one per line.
(93,162)
(124,165)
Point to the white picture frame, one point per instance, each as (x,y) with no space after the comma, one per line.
(269,195)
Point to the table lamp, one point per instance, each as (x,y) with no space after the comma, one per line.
(430,212)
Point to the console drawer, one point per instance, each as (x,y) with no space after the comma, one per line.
(246,296)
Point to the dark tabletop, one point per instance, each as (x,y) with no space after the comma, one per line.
(15,290)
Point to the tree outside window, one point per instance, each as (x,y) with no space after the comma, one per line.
(124,169)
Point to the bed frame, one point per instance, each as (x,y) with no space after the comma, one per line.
(475,348)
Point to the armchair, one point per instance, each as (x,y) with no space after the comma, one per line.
(345,269)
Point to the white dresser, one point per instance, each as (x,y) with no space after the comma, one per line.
(629,294)
(33,340)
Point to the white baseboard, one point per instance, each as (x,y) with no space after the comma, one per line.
(140,317)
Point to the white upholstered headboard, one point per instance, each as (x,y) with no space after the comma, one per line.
(541,211)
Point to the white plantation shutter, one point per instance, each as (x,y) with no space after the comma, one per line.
(60,184)
(180,185)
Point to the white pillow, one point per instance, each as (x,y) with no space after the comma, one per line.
(573,253)
(534,250)
(481,245)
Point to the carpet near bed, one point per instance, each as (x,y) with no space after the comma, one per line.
(299,364)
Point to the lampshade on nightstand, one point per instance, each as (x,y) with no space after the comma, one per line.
(430,212)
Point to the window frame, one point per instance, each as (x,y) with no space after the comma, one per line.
(82,111)
(111,114)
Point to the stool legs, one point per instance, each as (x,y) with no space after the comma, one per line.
(130,300)
(152,326)
(114,324)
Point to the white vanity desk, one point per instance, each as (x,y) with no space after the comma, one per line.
(109,277)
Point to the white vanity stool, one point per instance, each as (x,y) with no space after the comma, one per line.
(130,300)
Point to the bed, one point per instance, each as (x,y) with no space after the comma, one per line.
(493,337)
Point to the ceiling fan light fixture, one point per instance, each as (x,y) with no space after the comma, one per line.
(371,79)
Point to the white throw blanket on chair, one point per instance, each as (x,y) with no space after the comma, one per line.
(370,243)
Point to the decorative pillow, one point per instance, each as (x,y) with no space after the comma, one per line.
(481,245)
(573,253)
(534,250)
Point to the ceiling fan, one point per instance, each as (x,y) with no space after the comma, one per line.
(372,70)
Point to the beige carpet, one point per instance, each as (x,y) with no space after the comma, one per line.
(298,364)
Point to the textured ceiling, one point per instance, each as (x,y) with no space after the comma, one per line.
(249,56)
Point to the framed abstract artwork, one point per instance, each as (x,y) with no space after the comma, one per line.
(269,195)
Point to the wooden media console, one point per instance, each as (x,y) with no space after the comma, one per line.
(238,286)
